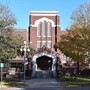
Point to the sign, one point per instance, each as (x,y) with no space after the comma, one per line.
(12,71)
(1,65)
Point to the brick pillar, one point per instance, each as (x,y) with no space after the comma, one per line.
(41,27)
(29,33)
(47,34)
(56,31)
(29,28)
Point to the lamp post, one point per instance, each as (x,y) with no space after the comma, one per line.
(25,48)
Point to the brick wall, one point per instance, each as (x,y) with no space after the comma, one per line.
(34,16)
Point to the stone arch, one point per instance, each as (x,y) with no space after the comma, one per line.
(44,19)
(34,58)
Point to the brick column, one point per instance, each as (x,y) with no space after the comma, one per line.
(41,27)
(47,34)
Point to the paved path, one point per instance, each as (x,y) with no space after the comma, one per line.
(44,83)
(50,84)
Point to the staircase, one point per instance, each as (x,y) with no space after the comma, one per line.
(44,74)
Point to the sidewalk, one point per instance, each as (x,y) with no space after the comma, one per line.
(39,84)
(44,83)
(50,84)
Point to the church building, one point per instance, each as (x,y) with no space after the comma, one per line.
(43,32)
(44,28)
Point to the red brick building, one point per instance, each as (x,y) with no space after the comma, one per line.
(43,32)
(44,28)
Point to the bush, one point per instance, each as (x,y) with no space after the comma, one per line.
(67,77)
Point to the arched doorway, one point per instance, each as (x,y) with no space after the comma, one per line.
(44,65)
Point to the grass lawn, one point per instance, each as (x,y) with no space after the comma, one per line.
(10,83)
(75,81)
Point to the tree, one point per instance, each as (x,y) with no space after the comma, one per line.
(70,46)
(81,25)
(81,17)
(7,19)
(9,43)
(77,40)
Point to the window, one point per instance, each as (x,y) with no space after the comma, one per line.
(39,29)
(49,44)
(13,64)
(63,58)
(49,29)
(38,44)
(43,43)
(44,23)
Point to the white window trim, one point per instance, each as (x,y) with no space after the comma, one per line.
(44,28)
(48,30)
(37,44)
(44,42)
(51,44)
(33,25)
(37,29)
(38,41)
(46,19)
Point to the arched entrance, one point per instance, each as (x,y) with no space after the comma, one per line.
(44,65)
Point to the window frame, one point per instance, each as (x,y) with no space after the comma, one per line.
(39,44)
(39,29)
(49,42)
(49,29)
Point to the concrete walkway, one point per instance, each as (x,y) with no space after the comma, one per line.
(50,84)
(44,83)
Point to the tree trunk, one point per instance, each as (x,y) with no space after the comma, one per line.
(77,68)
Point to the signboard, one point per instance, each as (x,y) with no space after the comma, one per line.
(12,71)
(1,65)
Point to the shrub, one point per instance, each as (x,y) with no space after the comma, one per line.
(67,75)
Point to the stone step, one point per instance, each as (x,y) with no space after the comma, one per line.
(38,74)
(44,73)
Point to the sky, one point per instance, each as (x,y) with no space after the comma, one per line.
(22,8)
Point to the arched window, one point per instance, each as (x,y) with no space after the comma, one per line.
(39,29)
(49,29)
(44,23)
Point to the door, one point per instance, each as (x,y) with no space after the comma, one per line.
(44,63)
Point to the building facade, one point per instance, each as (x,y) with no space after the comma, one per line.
(44,28)
(43,32)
